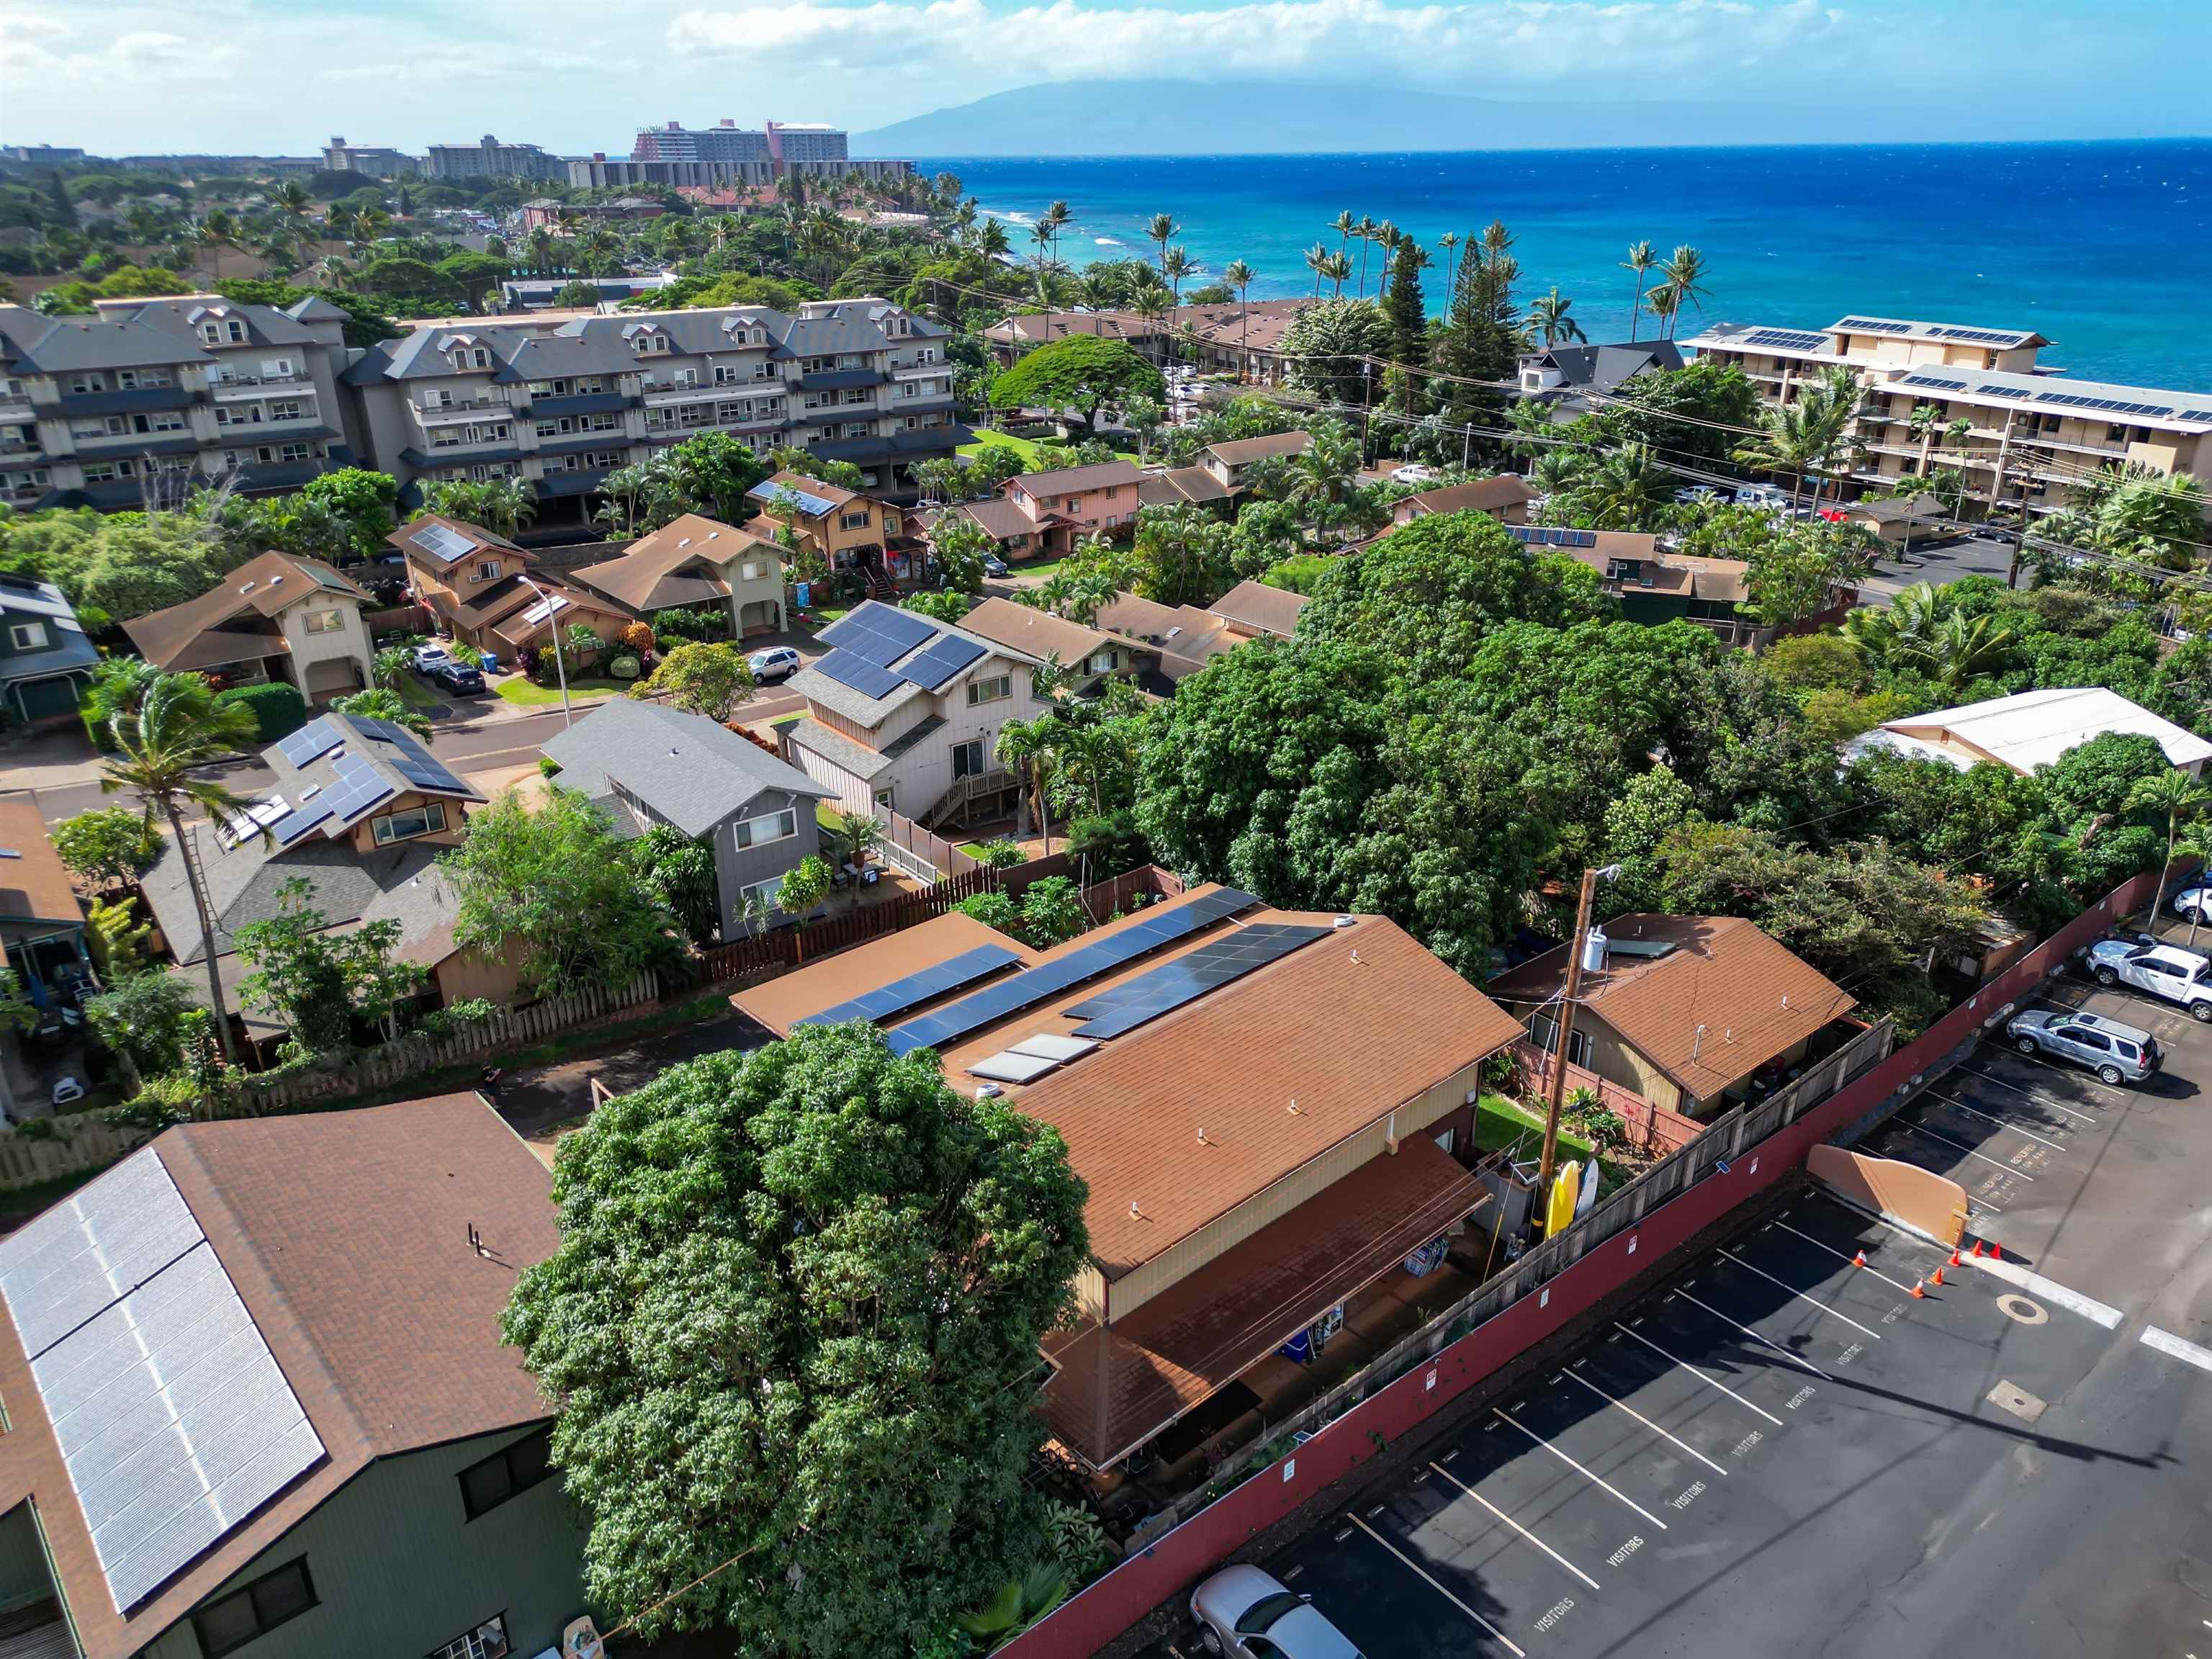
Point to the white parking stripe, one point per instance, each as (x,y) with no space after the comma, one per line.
(2002,1122)
(1909,1126)
(1799,1295)
(1412,1566)
(2069,1073)
(2013,1273)
(1644,1420)
(1793,1359)
(1695,1372)
(2053,1105)
(1596,1481)
(1840,1256)
(2180,1348)
(1516,1525)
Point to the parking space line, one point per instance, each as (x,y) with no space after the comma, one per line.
(1695,1372)
(2098,1313)
(1840,1256)
(2002,1083)
(1754,1335)
(1414,1568)
(1516,1525)
(2002,1123)
(1644,1420)
(1799,1294)
(2071,1076)
(1907,1124)
(2180,1348)
(1595,1480)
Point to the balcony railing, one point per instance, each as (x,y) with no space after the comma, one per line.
(434,414)
(233,385)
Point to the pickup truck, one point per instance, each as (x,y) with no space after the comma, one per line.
(2165,971)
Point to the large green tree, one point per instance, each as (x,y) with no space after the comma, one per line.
(1081,374)
(1336,350)
(794,1318)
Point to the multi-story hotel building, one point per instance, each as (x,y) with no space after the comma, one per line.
(2033,435)
(561,402)
(148,398)
(672,155)
(488,158)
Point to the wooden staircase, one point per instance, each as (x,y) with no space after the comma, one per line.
(964,792)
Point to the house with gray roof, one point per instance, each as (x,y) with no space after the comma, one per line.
(149,398)
(650,764)
(560,401)
(45,661)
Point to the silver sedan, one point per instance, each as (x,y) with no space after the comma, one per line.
(1245,1613)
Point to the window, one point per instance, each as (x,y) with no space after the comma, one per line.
(765,892)
(506,1474)
(750,571)
(326,622)
(28,636)
(88,383)
(486,571)
(263,1604)
(486,1641)
(854,520)
(995,689)
(405,826)
(968,758)
(276,369)
(1103,663)
(285,411)
(234,331)
(759,832)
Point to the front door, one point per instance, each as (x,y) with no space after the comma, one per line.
(968,758)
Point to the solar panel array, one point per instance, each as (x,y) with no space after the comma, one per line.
(2063,399)
(866,642)
(1215,963)
(1978,335)
(863,676)
(314,739)
(1874,325)
(174,1420)
(442,544)
(1544,536)
(1788,339)
(775,494)
(878,634)
(1026,990)
(932,668)
(1933,383)
(358,781)
(2080,400)
(887,1001)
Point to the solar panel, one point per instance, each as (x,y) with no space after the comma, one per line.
(863,676)
(174,1420)
(1789,339)
(1026,990)
(1930,381)
(1979,336)
(1215,963)
(442,542)
(933,667)
(775,494)
(1045,1045)
(886,1001)
(316,738)
(878,634)
(302,818)
(1874,325)
(1546,536)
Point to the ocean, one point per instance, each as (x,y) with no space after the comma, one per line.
(2105,248)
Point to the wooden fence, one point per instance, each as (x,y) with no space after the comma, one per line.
(65,1145)
(791,947)
(400,619)
(924,856)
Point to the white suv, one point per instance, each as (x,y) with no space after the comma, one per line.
(2165,971)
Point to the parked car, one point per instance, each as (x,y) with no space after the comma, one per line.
(1691,495)
(2165,971)
(1413,474)
(454,675)
(1761,495)
(2118,1054)
(2192,903)
(993,565)
(1248,1614)
(428,655)
(774,664)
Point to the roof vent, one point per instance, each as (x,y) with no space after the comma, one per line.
(276,581)
(685,542)
(992,1092)
(249,587)
(1341,921)
(9,852)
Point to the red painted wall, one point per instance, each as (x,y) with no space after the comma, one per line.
(1174,1562)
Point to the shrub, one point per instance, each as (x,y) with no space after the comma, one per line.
(625,667)
(278,710)
(638,638)
(548,767)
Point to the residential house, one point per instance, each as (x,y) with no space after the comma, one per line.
(844,529)
(1231,462)
(41,924)
(1252,609)
(452,563)
(1184,637)
(2034,433)
(1567,376)
(479,587)
(1087,657)
(1268,1109)
(148,398)
(1504,497)
(1245,340)
(278,617)
(559,400)
(696,564)
(360,812)
(1897,518)
(1045,514)
(904,713)
(45,661)
(651,765)
(258,1395)
(2030,730)
(1175,485)
(1695,1013)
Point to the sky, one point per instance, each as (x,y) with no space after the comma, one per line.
(281,77)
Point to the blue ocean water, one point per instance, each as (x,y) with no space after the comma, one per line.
(2106,248)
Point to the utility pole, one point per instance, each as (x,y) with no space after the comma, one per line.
(1566,1029)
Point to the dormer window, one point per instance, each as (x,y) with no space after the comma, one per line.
(211,333)
(647,345)
(234,331)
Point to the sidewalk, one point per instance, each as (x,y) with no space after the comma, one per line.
(50,760)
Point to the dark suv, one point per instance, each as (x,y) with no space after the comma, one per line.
(455,676)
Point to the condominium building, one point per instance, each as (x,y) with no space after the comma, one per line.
(2032,434)
(790,141)
(371,160)
(725,141)
(488,158)
(41,155)
(148,397)
(560,402)
(597,172)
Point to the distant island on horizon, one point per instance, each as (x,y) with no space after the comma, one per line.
(1192,119)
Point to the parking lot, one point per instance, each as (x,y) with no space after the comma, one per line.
(1782,1449)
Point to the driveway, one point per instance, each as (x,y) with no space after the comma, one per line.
(1937,563)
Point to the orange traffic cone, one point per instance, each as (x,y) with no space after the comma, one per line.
(1917,1292)
(1938,1277)
(1953,1261)
(1859,1261)
(1976,1250)
(1995,1253)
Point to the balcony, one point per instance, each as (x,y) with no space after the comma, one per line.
(439,414)
(138,401)
(837,380)
(231,431)
(17,407)
(239,386)
(21,446)
(658,397)
(581,403)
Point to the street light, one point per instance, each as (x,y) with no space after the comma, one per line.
(553,626)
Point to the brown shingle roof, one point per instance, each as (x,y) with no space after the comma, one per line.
(1035,633)
(1728,999)
(1241,451)
(1076,480)
(402,538)
(345,1234)
(260,587)
(34,885)
(1181,483)
(782,1002)
(1115,1387)
(1254,604)
(1000,520)
(1479,495)
(640,578)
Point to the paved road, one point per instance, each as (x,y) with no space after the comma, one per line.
(1781,1453)
(466,736)
(1971,556)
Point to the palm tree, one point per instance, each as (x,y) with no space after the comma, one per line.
(1642,258)
(1238,276)
(1557,470)
(1163,229)
(1449,243)
(1792,439)
(1317,258)
(1025,748)
(389,670)
(860,832)
(381,703)
(1685,279)
(176,729)
(218,231)
(1176,264)
(1338,272)
(1531,421)
(1625,490)
(2180,797)
(1386,238)
(991,241)
(1662,304)
(1366,230)
(1548,313)
(293,201)
(1041,234)
(1346,227)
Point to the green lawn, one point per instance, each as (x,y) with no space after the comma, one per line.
(527,694)
(1500,1122)
(787,720)
(1027,447)
(416,695)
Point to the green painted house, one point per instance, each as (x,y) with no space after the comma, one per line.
(45,658)
(256,1402)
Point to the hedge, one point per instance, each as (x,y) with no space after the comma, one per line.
(279,708)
